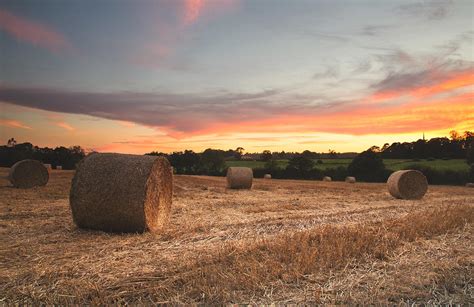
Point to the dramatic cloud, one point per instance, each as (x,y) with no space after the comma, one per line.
(423,83)
(32,32)
(412,105)
(177,113)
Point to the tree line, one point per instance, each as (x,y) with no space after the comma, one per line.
(366,166)
(66,157)
(457,146)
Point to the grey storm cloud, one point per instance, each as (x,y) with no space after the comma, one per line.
(180,112)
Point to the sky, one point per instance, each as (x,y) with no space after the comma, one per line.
(149,75)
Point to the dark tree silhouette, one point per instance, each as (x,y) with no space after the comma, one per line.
(368,166)
(266,155)
(65,157)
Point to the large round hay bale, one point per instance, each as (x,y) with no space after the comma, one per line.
(350,179)
(122,193)
(239,177)
(327,178)
(407,184)
(28,174)
(267,176)
(470,185)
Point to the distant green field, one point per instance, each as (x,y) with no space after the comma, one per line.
(393,164)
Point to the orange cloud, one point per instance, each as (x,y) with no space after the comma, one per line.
(13,124)
(65,125)
(32,32)
(452,81)
(363,119)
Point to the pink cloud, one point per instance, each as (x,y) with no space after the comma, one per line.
(32,32)
(13,124)
(170,34)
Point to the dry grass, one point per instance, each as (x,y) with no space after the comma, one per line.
(284,241)
(288,259)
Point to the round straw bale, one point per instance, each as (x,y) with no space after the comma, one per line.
(59,167)
(28,174)
(350,179)
(122,193)
(267,176)
(239,177)
(48,166)
(327,178)
(407,184)
(470,185)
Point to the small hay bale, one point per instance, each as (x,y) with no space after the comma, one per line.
(470,185)
(122,193)
(350,179)
(267,176)
(407,184)
(27,174)
(239,178)
(327,178)
(48,166)
(59,167)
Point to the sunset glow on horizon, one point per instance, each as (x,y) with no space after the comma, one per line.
(141,76)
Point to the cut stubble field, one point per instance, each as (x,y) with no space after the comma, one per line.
(284,241)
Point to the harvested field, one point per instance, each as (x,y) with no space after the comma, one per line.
(284,241)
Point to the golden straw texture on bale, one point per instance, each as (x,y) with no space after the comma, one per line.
(267,176)
(350,179)
(407,184)
(28,174)
(239,177)
(327,178)
(122,193)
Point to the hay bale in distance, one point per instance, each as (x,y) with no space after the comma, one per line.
(48,166)
(350,179)
(27,174)
(407,184)
(327,178)
(122,193)
(59,167)
(239,177)
(470,185)
(267,176)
